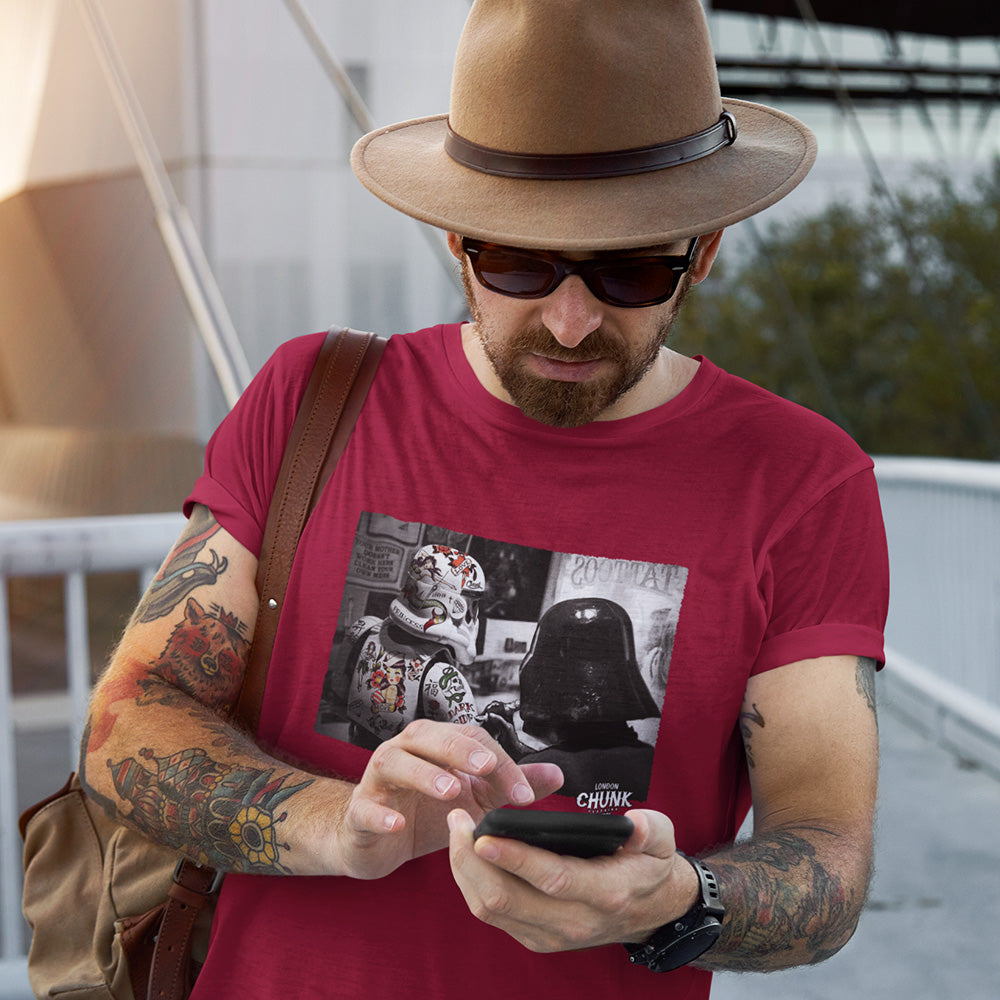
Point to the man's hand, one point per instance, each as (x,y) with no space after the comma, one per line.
(398,810)
(551,903)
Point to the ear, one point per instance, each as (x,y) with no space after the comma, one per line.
(455,245)
(708,248)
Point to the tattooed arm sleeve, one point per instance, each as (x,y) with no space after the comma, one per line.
(793,893)
(159,752)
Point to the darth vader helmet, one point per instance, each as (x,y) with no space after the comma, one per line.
(440,599)
(582,668)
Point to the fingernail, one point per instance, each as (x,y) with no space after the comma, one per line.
(523,794)
(444,783)
(480,759)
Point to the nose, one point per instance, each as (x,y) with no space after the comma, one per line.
(571,312)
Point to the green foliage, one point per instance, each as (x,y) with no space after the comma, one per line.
(884,317)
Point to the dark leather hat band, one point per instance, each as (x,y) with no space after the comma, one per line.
(582,166)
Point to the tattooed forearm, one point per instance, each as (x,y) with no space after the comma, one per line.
(182,572)
(865,679)
(784,906)
(223,815)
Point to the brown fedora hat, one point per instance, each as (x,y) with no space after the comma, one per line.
(586,124)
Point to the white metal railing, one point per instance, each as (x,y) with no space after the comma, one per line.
(72,548)
(942,520)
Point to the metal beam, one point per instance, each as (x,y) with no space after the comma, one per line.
(889,80)
(179,236)
(956,19)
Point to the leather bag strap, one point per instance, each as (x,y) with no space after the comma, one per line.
(333,399)
(170,967)
(341,377)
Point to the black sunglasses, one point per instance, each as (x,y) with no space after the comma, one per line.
(629,282)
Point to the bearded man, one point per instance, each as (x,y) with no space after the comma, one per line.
(584,175)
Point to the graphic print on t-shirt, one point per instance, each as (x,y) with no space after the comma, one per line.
(561,657)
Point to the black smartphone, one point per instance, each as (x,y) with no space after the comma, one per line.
(581,835)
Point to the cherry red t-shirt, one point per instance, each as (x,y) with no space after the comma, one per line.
(734,531)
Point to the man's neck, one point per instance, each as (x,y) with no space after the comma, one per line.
(670,375)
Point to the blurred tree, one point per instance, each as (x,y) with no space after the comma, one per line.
(886,318)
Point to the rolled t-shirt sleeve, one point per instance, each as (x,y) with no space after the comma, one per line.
(826,579)
(244,454)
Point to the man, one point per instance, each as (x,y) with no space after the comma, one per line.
(584,175)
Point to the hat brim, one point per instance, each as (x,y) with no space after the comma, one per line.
(407,167)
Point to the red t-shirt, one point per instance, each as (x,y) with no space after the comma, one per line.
(734,531)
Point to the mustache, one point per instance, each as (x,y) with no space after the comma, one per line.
(539,340)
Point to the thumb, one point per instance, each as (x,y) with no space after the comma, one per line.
(653,834)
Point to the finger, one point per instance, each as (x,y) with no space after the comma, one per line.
(653,834)
(543,778)
(423,758)
(553,875)
(367,816)
(475,871)
(394,771)
(471,750)
(468,749)
(462,829)
(507,783)
(491,894)
(474,876)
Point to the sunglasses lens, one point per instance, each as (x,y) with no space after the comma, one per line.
(634,282)
(513,273)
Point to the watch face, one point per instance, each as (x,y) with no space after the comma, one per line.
(687,947)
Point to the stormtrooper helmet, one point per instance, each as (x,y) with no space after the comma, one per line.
(440,599)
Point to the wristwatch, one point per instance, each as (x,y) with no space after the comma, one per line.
(684,939)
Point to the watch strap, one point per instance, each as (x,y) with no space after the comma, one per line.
(682,940)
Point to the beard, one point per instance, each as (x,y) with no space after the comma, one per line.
(559,403)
